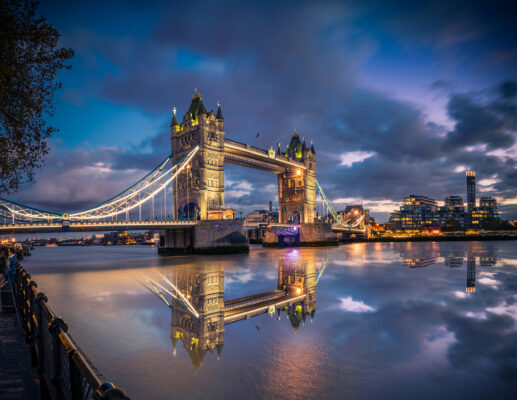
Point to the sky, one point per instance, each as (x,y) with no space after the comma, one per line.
(399,97)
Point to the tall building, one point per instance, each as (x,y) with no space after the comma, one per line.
(487,208)
(471,189)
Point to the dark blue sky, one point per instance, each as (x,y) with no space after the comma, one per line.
(399,97)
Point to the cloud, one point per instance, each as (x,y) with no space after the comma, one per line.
(491,124)
(487,278)
(305,66)
(347,159)
(507,307)
(350,305)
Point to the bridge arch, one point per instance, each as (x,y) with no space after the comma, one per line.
(294,217)
(190,212)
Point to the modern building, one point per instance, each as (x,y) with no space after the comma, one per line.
(488,202)
(471,189)
(454,202)
(420,212)
(416,213)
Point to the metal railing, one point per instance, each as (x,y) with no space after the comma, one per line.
(65,372)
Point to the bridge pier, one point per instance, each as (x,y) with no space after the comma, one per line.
(310,235)
(206,237)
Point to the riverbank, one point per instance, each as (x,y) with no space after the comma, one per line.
(459,238)
(17,378)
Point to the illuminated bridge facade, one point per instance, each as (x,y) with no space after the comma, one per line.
(193,175)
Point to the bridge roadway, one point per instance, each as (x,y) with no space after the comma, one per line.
(98,226)
(250,306)
(93,226)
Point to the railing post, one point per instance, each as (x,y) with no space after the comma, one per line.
(44,390)
(57,325)
(22,300)
(109,391)
(29,299)
(76,389)
(40,299)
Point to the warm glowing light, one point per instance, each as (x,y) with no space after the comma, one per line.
(298,291)
(298,172)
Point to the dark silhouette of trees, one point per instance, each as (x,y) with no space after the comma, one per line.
(29,61)
(452,225)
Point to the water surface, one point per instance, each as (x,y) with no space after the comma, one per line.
(385,320)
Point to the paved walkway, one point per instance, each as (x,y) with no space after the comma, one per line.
(17,381)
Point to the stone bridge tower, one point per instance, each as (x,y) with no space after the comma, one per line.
(199,189)
(297,187)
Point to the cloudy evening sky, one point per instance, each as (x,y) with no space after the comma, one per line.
(399,97)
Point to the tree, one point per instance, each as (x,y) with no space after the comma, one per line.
(491,224)
(452,225)
(29,61)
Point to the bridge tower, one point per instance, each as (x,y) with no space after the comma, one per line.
(199,189)
(297,187)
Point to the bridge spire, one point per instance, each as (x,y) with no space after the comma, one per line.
(196,106)
(219,112)
(174,120)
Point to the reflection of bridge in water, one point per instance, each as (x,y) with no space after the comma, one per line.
(200,312)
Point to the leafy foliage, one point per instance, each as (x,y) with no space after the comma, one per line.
(29,61)
(452,225)
(496,224)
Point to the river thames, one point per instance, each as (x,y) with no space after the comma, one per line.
(385,320)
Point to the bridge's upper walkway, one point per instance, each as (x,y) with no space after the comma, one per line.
(255,157)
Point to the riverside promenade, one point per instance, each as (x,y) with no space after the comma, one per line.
(17,381)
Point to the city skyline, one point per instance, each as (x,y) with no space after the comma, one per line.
(394,106)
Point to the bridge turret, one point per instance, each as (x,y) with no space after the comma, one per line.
(200,188)
(219,115)
(297,186)
(174,122)
(295,148)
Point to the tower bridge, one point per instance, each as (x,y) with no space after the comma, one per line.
(195,218)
